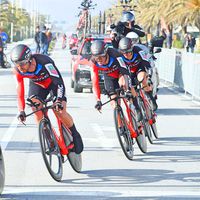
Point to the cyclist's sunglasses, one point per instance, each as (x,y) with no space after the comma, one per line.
(126,51)
(21,63)
(96,57)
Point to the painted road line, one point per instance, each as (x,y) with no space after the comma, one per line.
(182,191)
(9,133)
(104,141)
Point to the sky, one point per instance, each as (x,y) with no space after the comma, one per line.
(63,10)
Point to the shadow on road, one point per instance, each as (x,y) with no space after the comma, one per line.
(179,141)
(96,195)
(178,111)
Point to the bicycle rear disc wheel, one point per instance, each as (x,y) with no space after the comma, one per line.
(141,138)
(147,129)
(75,159)
(153,126)
(125,139)
(50,150)
(154,129)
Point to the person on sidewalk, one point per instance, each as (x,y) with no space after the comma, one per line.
(37,39)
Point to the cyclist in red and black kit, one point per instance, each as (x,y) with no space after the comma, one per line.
(44,78)
(137,63)
(109,61)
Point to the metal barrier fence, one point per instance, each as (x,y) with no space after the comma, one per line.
(181,69)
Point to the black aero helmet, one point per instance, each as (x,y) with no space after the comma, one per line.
(125,45)
(128,16)
(98,48)
(20,53)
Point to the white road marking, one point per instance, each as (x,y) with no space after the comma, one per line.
(9,133)
(104,191)
(104,141)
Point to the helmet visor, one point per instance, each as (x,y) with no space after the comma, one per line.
(21,63)
(123,51)
(96,57)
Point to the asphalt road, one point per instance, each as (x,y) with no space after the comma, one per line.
(169,170)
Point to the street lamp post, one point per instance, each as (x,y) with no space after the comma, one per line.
(125,4)
(86,5)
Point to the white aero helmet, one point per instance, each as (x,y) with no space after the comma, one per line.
(134,37)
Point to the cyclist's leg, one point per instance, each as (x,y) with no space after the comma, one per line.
(41,93)
(111,84)
(135,100)
(67,121)
(142,76)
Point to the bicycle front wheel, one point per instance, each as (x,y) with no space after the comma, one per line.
(50,150)
(75,159)
(124,137)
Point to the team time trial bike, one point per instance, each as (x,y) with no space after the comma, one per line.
(149,115)
(132,130)
(55,147)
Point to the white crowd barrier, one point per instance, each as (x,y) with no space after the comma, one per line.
(181,69)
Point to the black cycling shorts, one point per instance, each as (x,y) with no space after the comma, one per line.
(41,92)
(134,75)
(111,84)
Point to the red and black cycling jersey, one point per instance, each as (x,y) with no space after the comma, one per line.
(113,69)
(45,75)
(139,60)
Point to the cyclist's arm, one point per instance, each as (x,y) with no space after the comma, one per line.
(20,91)
(57,80)
(95,81)
(137,29)
(144,59)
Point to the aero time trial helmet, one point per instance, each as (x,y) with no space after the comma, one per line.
(20,54)
(98,48)
(133,36)
(128,17)
(125,45)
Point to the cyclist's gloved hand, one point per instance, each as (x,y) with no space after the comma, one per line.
(98,105)
(21,116)
(58,106)
(128,94)
(154,58)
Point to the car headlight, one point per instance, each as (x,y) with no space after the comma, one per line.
(84,67)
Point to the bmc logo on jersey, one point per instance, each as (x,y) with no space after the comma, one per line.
(52,70)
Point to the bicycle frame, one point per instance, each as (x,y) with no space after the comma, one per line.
(128,111)
(64,149)
(146,106)
(129,121)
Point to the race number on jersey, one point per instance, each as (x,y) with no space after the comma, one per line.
(52,70)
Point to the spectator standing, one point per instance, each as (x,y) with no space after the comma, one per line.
(1,52)
(49,38)
(64,40)
(190,43)
(43,41)
(37,39)
(157,41)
